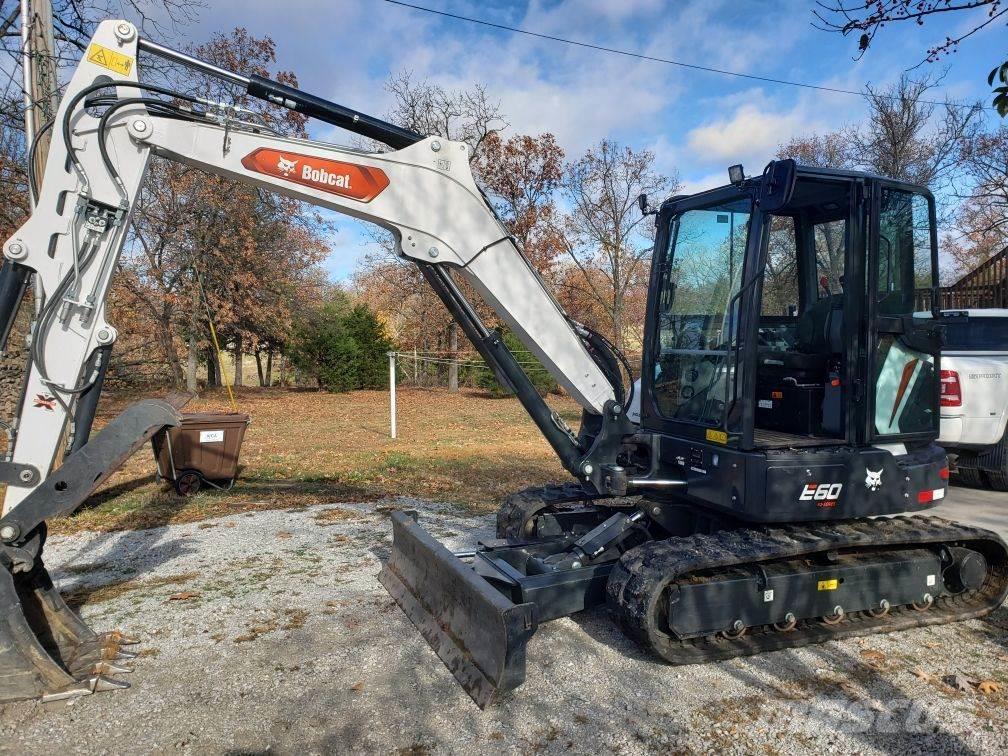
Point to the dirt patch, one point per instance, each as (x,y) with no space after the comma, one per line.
(78,597)
(334,515)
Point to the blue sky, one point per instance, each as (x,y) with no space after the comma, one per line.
(696,123)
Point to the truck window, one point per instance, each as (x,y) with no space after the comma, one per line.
(976,334)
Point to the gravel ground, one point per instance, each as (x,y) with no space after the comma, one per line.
(268,632)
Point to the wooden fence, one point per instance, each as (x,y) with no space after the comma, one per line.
(984,287)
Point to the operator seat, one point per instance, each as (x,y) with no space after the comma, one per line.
(818,336)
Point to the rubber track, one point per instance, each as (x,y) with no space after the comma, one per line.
(518,509)
(636,592)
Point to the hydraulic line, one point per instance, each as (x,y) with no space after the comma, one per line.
(81,261)
(72,106)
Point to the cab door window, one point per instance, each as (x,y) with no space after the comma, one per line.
(698,312)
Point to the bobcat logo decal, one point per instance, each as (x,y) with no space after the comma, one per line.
(45,401)
(873,479)
(286,166)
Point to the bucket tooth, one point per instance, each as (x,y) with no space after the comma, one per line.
(477,632)
(108,668)
(121,638)
(75,689)
(46,650)
(103,683)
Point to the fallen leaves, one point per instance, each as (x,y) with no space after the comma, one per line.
(184,596)
(875,659)
(308,448)
(334,515)
(959,683)
(988,687)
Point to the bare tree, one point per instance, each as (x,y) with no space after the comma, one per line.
(829,150)
(981,223)
(467,115)
(606,234)
(396,290)
(910,138)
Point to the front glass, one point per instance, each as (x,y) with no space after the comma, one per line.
(698,312)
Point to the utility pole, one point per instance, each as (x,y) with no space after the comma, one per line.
(40,84)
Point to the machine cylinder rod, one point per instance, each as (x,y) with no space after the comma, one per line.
(188,60)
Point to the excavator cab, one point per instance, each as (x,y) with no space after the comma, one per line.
(789,325)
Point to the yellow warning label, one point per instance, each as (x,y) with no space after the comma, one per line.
(718,437)
(110,59)
(828,585)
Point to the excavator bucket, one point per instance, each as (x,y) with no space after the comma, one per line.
(46,650)
(478,632)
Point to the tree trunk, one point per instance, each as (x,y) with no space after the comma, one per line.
(192,359)
(238,360)
(168,350)
(191,364)
(269,366)
(213,374)
(259,368)
(453,365)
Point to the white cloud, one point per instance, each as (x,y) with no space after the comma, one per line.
(747,133)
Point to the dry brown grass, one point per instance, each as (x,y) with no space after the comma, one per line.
(307,448)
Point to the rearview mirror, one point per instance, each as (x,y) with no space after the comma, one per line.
(777,184)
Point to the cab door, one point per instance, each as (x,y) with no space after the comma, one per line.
(903,352)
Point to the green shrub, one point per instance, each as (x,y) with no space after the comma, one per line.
(341,348)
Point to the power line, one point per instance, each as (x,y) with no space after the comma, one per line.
(642,56)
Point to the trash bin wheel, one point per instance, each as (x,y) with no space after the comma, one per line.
(188,483)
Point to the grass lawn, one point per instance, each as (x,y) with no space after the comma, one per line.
(305,447)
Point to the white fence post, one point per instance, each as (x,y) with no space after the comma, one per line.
(391,378)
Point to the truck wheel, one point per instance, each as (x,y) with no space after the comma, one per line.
(188,483)
(997,472)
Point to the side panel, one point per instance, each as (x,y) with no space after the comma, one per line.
(832,483)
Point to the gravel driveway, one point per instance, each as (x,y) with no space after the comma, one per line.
(268,632)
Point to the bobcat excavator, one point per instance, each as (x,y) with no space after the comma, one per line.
(727,504)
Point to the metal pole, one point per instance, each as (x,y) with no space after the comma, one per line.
(26,73)
(391,378)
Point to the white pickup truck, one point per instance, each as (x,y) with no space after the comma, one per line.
(974,396)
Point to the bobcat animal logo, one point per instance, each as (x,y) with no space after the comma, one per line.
(45,401)
(286,166)
(873,480)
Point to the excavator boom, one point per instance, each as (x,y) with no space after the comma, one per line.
(422,191)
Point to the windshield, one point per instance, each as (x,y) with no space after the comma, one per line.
(701,273)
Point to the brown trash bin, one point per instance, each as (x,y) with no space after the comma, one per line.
(203,449)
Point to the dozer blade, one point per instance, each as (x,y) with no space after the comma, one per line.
(46,650)
(478,632)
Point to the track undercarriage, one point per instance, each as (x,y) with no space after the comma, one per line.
(706,595)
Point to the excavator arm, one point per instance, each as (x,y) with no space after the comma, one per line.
(423,192)
(107,128)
